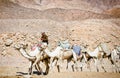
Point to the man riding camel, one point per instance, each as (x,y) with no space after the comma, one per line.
(44,38)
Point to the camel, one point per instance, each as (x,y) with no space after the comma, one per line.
(59,54)
(96,55)
(34,57)
(67,46)
(115,56)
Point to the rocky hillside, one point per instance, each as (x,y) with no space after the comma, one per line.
(63,10)
(87,22)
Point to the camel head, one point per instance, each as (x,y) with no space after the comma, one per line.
(20,45)
(44,45)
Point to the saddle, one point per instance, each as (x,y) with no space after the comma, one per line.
(65,44)
(33,48)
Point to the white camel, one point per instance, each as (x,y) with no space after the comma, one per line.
(115,56)
(96,55)
(34,57)
(59,54)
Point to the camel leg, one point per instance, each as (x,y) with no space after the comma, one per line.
(81,65)
(88,65)
(81,68)
(103,68)
(73,68)
(74,55)
(58,67)
(114,62)
(96,60)
(89,61)
(76,65)
(36,64)
(75,60)
(47,67)
(53,62)
(30,67)
(101,62)
(36,61)
(59,63)
(38,68)
(67,66)
(68,61)
(85,58)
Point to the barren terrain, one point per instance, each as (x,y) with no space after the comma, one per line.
(87,22)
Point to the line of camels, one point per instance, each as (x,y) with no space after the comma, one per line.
(50,58)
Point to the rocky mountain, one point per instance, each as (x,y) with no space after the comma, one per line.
(87,22)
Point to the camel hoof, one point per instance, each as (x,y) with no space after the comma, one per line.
(81,69)
(29,73)
(39,73)
(97,70)
(44,73)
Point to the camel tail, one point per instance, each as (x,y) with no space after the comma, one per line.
(25,54)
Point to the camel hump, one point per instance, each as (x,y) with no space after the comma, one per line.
(105,48)
(67,53)
(66,50)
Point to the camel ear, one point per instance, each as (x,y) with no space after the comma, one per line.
(17,46)
(62,49)
(24,46)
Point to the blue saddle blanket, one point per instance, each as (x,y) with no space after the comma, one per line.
(77,49)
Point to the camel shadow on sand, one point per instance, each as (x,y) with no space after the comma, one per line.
(24,73)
